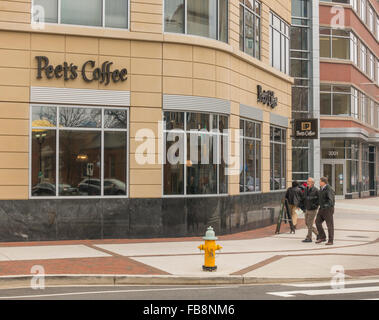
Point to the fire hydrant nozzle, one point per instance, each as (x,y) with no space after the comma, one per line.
(209,249)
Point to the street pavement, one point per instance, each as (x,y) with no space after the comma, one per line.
(352,290)
(256,256)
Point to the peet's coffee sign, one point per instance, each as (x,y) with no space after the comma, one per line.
(89,71)
(267,97)
(306,128)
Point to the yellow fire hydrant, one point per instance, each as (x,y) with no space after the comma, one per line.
(210,248)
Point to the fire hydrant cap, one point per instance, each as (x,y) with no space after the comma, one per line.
(210,234)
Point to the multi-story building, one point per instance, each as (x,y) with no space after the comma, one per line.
(349,91)
(334,60)
(107,109)
(305,91)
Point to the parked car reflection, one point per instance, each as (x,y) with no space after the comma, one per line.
(114,187)
(47,189)
(92,187)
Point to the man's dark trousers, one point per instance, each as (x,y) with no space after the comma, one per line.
(327,216)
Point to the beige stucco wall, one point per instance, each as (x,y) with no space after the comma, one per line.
(157,64)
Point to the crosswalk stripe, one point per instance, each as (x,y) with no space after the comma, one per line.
(289,294)
(327,284)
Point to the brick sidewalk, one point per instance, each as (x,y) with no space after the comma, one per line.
(115,264)
(251,234)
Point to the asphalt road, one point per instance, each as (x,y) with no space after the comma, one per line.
(358,290)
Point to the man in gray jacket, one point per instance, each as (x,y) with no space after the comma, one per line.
(312,202)
(326,211)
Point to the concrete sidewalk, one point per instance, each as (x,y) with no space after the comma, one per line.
(248,257)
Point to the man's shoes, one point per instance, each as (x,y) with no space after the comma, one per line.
(329,243)
(320,240)
(307,240)
(317,237)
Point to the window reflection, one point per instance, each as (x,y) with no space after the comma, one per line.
(115,119)
(174,16)
(79,151)
(80,117)
(278,158)
(206,18)
(80,161)
(250,155)
(202,159)
(43,162)
(43,116)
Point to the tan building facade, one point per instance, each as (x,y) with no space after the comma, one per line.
(162,68)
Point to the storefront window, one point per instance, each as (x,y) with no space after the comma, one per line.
(250,26)
(250,156)
(278,158)
(195,151)
(86,148)
(206,18)
(97,13)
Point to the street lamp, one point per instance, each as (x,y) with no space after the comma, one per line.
(40,136)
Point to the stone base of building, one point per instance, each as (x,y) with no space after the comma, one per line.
(75,219)
(354,195)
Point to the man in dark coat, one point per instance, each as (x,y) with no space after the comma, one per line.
(293,195)
(311,202)
(326,211)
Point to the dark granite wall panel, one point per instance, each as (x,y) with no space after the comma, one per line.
(70,219)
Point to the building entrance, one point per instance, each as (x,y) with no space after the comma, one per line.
(335,171)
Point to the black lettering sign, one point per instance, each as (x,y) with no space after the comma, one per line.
(306,129)
(266,97)
(89,72)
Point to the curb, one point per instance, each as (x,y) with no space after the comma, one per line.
(23,281)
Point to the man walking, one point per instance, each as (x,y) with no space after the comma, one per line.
(312,202)
(326,211)
(293,195)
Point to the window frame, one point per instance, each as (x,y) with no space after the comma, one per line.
(285,39)
(187,132)
(185,31)
(102,130)
(258,173)
(332,36)
(255,15)
(59,18)
(332,92)
(282,161)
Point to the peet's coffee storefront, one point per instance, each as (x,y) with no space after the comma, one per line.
(140,130)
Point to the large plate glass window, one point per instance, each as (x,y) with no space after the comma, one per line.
(206,18)
(278,158)
(195,146)
(250,156)
(78,151)
(96,13)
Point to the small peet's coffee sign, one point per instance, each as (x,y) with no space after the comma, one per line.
(89,71)
(266,97)
(306,128)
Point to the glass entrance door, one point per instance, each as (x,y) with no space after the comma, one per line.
(335,172)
